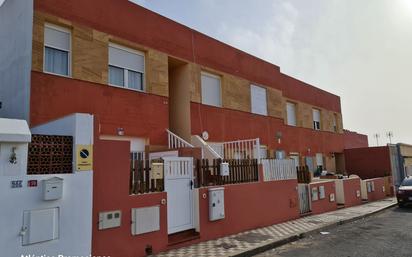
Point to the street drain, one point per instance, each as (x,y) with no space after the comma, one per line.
(252,238)
(226,246)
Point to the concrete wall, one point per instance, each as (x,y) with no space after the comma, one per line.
(16,21)
(380,192)
(139,114)
(249,206)
(179,100)
(351,187)
(370,162)
(75,212)
(227,125)
(323,205)
(355,140)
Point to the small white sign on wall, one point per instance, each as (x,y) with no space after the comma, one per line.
(322,192)
(332,197)
(315,194)
(358,193)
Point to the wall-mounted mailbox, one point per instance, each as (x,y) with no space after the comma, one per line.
(216,203)
(224,169)
(52,189)
(156,171)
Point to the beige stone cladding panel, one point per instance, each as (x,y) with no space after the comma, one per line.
(195,90)
(304,115)
(90,55)
(330,163)
(276,103)
(327,120)
(157,74)
(236,93)
(339,122)
(406,150)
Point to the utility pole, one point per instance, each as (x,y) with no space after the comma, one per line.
(377,136)
(389,134)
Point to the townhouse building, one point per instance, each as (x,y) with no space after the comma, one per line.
(155,86)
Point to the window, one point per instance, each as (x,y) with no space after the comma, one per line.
(335,123)
(259,101)
(56,50)
(211,89)
(316,119)
(126,67)
(291,114)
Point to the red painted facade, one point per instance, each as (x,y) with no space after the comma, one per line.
(379,193)
(165,35)
(146,115)
(139,114)
(226,125)
(249,206)
(355,140)
(370,162)
(111,192)
(351,187)
(324,205)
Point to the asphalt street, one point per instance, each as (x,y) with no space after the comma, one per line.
(388,233)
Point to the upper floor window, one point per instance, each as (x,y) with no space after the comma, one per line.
(211,89)
(258,99)
(126,67)
(316,119)
(57,46)
(291,114)
(335,123)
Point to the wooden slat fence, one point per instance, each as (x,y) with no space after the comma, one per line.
(140,180)
(275,169)
(303,174)
(240,171)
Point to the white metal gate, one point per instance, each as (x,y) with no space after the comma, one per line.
(304,198)
(178,173)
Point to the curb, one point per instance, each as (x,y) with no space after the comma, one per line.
(276,243)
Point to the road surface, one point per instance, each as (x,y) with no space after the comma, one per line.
(386,234)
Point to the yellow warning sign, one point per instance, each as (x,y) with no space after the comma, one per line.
(84,157)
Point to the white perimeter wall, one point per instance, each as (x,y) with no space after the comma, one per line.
(75,223)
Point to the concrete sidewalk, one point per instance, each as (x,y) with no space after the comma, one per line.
(258,240)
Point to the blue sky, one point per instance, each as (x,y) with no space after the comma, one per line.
(360,50)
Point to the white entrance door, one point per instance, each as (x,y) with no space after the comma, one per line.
(179,187)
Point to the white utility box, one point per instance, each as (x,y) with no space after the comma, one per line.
(40,226)
(52,189)
(216,203)
(224,169)
(14,139)
(110,219)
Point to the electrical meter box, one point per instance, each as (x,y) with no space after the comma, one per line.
(156,170)
(52,189)
(15,136)
(216,203)
(224,169)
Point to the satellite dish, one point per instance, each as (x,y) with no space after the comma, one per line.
(205,135)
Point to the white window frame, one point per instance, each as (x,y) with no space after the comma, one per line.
(265,112)
(287,114)
(205,73)
(69,56)
(126,71)
(314,121)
